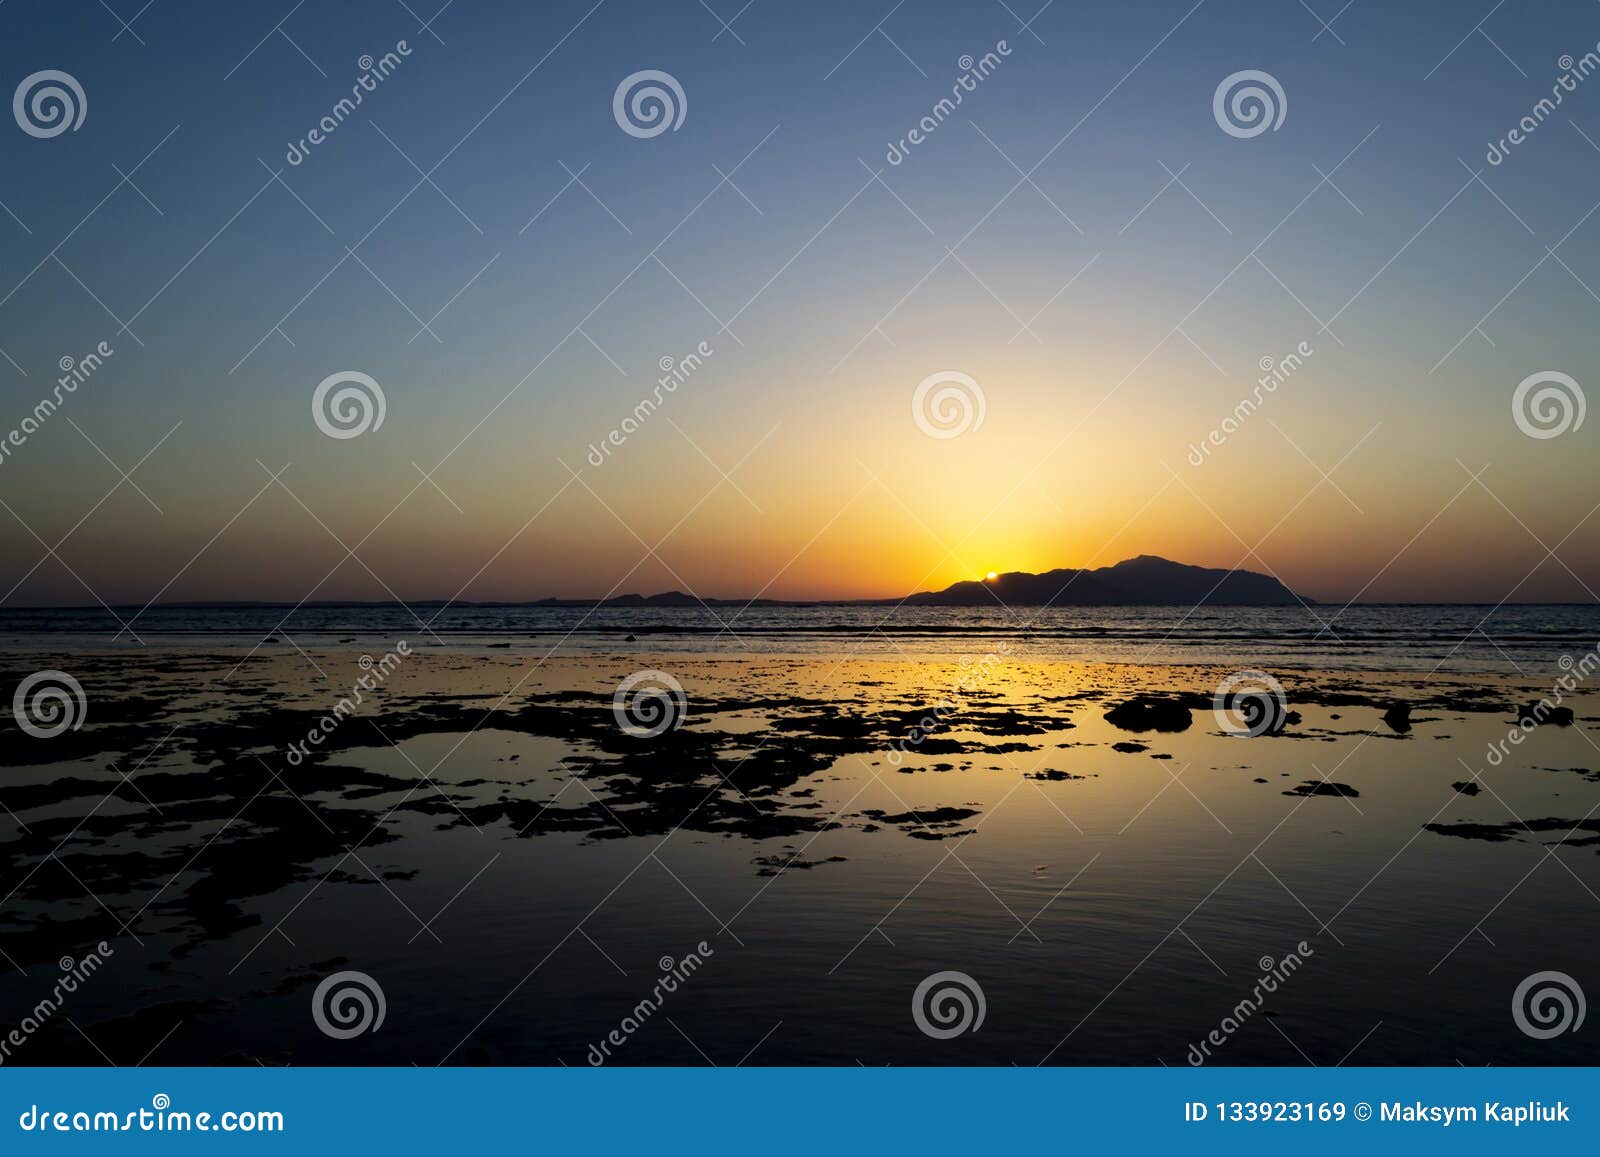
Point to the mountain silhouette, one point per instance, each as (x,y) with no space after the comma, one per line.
(1145,580)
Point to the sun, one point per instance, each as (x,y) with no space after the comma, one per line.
(991,576)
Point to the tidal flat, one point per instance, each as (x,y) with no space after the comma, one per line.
(491,837)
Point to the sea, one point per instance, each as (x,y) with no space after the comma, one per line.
(1497,639)
(509,869)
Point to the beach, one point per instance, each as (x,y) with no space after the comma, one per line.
(519,853)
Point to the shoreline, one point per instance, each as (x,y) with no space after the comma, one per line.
(1411,661)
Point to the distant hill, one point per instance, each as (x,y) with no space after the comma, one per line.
(1142,581)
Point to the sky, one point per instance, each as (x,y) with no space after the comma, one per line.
(1082,238)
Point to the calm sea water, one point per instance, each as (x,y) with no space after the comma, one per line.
(1510,639)
(516,880)
(514,871)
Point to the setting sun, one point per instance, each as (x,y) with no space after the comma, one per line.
(991,576)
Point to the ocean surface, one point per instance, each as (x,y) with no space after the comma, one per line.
(484,844)
(1507,639)
(830,810)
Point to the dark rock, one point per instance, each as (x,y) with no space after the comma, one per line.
(1517,829)
(776,865)
(1149,713)
(931,817)
(1543,711)
(1398,717)
(1260,715)
(1322,787)
(1467,787)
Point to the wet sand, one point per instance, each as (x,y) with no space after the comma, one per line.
(485,836)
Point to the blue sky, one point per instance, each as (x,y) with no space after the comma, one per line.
(1150,298)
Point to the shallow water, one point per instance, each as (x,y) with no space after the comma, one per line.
(483,839)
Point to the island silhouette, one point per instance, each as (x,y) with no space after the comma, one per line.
(1145,580)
